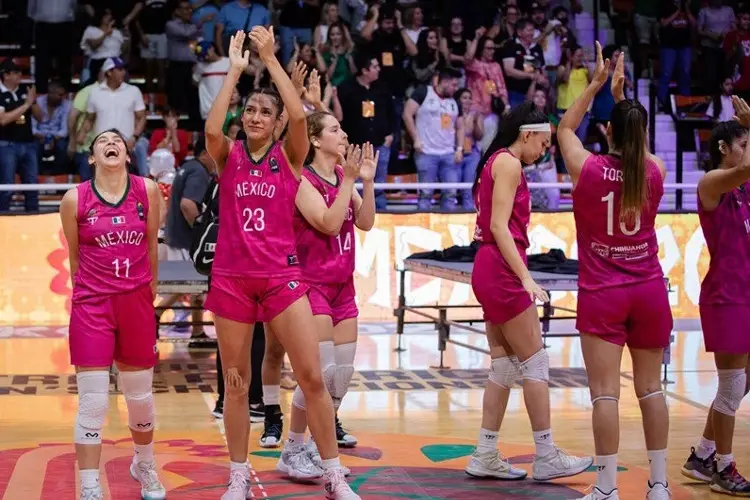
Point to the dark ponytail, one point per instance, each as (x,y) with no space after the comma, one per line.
(629,121)
(725,132)
(508,131)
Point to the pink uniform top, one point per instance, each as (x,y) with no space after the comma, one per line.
(326,259)
(520,215)
(726,230)
(256,215)
(612,252)
(112,242)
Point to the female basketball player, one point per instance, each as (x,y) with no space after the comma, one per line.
(507,292)
(725,311)
(111,224)
(622,296)
(328,208)
(256,274)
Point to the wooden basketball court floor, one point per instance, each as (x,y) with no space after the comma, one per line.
(416,425)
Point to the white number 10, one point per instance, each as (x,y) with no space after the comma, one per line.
(346,244)
(610,200)
(125,268)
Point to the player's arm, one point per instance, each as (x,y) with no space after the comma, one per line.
(297,143)
(152,230)
(364,206)
(69,218)
(723,180)
(217,144)
(506,172)
(313,207)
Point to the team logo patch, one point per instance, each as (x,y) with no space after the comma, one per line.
(274,165)
(91,217)
(118,220)
(140,211)
(293,285)
(291,260)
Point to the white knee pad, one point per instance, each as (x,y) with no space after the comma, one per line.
(93,402)
(298,399)
(536,367)
(136,387)
(328,364)
(730,392)
(344,374)
(504,371)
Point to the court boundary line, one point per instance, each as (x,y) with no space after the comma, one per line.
(209,400)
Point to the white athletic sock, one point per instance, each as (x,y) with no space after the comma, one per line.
(544,443)
(606,473)
(271,394)
(487,441)
(331,463)
(296,438)
(657,462)
(144,452)
(89,478)
(723,461)
(241,466)
(704,448)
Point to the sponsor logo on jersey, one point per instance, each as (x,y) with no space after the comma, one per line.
(293,285)
(140,211)
(91,217)
(274,165)
(118,220)
(292,260)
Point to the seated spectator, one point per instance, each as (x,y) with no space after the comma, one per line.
(51,131)
(235,109)
(721,108)
(18,152)
(429,59)
(335,60)
(209,74)
(545,169)
(473,127)
(302,52)
(234,128)
(100,41)
(171,137)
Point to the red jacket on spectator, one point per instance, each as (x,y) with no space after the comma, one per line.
(182,135)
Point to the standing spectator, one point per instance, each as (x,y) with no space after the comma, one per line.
(573,77)
(438,136)
(677,23)
(485,79)
(455,44)
(551,37)
(737,49)
(353,12)
(205,15)
(413,22)
(100,41)
(18,152)
(646,31)
(181,36)
(53,34)
(79,147)
(544,170)
(429,59)
(473,126)
(364,107)
(171,137)
(297,19)
(209,74)
(330,15)
(151,24)
(51,131)
(714,22)
(115,104)
(335,60)
(504,28)
(523,61)
(238,15)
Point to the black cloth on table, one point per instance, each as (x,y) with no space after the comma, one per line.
(553,261)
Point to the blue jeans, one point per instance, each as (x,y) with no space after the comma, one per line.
(83,168)
(468,170)
(60,151)
(669,59)
(21,157)
(303,35)
(140,156)
(431,168)
(398,111)
(381,173)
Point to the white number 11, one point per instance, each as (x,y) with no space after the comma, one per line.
(126,268)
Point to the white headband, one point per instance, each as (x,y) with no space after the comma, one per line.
(536,127)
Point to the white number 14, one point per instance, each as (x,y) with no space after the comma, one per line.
(346,244)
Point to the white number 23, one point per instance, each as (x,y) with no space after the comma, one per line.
(254,219)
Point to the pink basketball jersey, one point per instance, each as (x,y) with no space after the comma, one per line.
(326,259)
(520,215)
(112,242)
(611,251)
(726,230)
(256,216)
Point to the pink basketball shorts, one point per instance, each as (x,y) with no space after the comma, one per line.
(496,287)
(337,301)
(116,327)
(637,315)
(725,327)
(247,300)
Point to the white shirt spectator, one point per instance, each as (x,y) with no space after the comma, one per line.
(551,45)
(115,108)
(727,109)
(110,47)
(435,121)
(210,77)
(51,11)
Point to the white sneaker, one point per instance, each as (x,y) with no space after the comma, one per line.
(336,487)
(558,464)
(92,493)
(312,450)
(239,486)
(598,494)
(145,473)
(492,464)
(658,492)
(295,461)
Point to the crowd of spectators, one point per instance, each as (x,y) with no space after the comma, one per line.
(427,82)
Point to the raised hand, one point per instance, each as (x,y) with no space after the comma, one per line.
(238,59)
(618,79)
(312,91)
(264,42)
(369,163)
(299,73)
(741,111)
(601,72)
(352,162)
